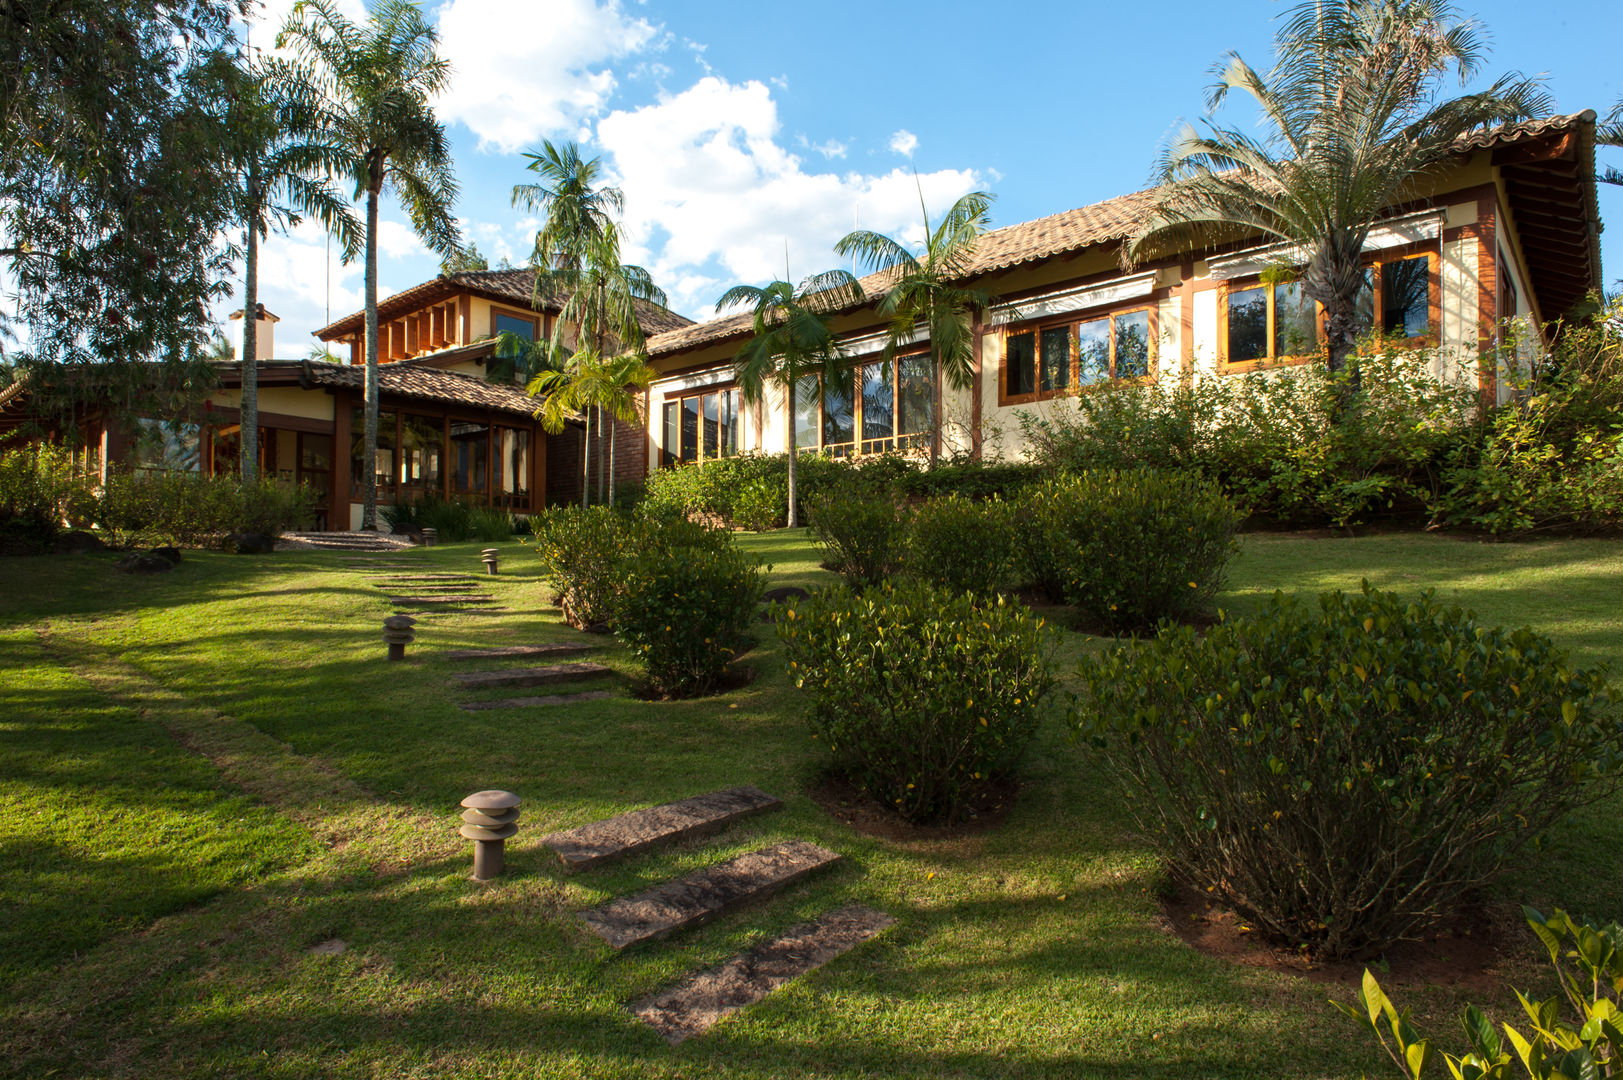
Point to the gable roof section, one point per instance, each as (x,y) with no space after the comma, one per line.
(1115,219)
(516,287)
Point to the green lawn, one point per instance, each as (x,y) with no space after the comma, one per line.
(209,772)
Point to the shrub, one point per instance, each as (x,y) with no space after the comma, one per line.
(270,507)
(192,510)
(760,505)
(923,696)
(712,488)
(1553,1049)
(40,490)
(861,527)
(1133,548)
(685,602)
(960,544)
(1043,546)
(972,479)
(1343,777)
(580,550)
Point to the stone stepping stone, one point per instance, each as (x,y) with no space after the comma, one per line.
(616,837)
(460,598)
(427,578)
(533,702)
(704,894)
(692,1006)
(517,652)
(426,588)
(533,676)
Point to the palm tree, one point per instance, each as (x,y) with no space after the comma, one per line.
(577,254)
(926,289)
(282,174)
(378,82)
(1355,123)
(793,340)
(589,380)
(1610,133)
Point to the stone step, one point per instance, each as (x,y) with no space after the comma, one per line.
(426,579)
(518,652)
(426,588)
(534,676)
(616,837)
(420,601)
(535,702)
(692,1006)
(704,894)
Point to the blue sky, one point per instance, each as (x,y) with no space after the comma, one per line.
(739,131)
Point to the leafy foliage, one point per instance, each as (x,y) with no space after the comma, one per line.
(924,696)
(862,527)
(452,520)
(580,550)
(958,543)
(758,505)
(1131,548)
(192,510)
(1591,1048)
(1344,777)
(40,490)
(685,602)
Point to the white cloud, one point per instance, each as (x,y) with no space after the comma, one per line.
(295,274)
(904,142)
(521,71)
(713,198)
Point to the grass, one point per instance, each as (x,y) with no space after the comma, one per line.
(211,771)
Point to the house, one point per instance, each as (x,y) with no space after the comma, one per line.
(449,425)
(1509,230)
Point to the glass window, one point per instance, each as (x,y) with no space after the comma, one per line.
(422,448)
(516,325)
(1093,352)
(1406,297)
(690,429)
(511,469)
(1296,321)
(1132,345)
(1056,358)
(1248,325)
(470,449)
(839,407)
(732,422)
(808,419)
(386,451)
(1364,312)
(166,446)
(915,395)
(673,434)
(710,410)
(878,407)
(1020,364)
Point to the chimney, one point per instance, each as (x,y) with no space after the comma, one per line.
(264,335)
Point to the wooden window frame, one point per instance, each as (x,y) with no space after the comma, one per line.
(698,392)
(516,313)
(1073,320)
(1434,305)
(852,449)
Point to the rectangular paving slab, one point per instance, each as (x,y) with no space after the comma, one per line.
(704,894)
(460,598)
(519,652)
(532,702)
(692,1006)
(534,676)
(616,837)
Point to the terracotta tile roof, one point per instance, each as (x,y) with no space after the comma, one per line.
(411,380)
(1058,234)
(516,287)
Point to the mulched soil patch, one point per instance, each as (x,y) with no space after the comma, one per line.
(736,677)
(1469,954)
(851,806)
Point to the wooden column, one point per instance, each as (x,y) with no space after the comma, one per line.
(338,490)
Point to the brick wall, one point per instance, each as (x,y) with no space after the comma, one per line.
(563,460)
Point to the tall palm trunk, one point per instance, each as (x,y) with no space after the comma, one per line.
(935,407)
(611,460)
(369,448)
(586,463)
(792,517)
(248,426)
(603,460)
(1333,278)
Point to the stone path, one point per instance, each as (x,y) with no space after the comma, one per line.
(536,676)
(426,601)
(517,652)
(616,837)
(691,1006)
(704,894)
(533,702)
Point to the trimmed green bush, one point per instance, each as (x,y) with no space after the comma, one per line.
(580,550)
(454,520)
(40,491)
(760,505)
(1132,548)
(958,543)
(1343,777)
(923,696)
(685,602)
(862,527)
(971,479)
(192,510)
